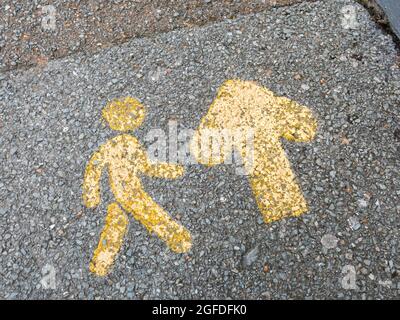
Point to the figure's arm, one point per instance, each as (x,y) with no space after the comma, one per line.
(297,122)
(164,170)
(91,183)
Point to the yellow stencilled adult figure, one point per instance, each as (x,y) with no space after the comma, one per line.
(126,160)
(241,106)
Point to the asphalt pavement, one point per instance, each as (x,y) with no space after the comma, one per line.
(36,31)
(327,55)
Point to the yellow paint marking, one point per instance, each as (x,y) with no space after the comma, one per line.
(126,160)
(243,105)
(110,240)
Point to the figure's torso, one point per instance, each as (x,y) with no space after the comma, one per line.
(126,160)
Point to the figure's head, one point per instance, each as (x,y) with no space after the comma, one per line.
(124,114)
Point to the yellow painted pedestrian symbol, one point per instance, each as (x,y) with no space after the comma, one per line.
(126,160)
(241,106)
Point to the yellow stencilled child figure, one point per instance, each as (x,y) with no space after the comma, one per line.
(126,161)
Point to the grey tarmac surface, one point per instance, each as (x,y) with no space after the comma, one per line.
(50,124)
(35,31)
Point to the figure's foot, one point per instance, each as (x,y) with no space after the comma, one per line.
(100,264)
(273,216)
(177,237)
(110,241)
(181,241)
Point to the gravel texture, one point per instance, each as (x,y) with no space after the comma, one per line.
(29,37)
(50,124)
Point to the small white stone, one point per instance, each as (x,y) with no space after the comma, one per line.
(329,241)
(386,283)
(362,203)
(371,276)
(354,223)
(305,87)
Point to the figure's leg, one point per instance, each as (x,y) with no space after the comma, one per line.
(156,220)
(111,240)
(276,190)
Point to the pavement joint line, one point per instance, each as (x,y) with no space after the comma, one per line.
(154,34)
(376,12)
